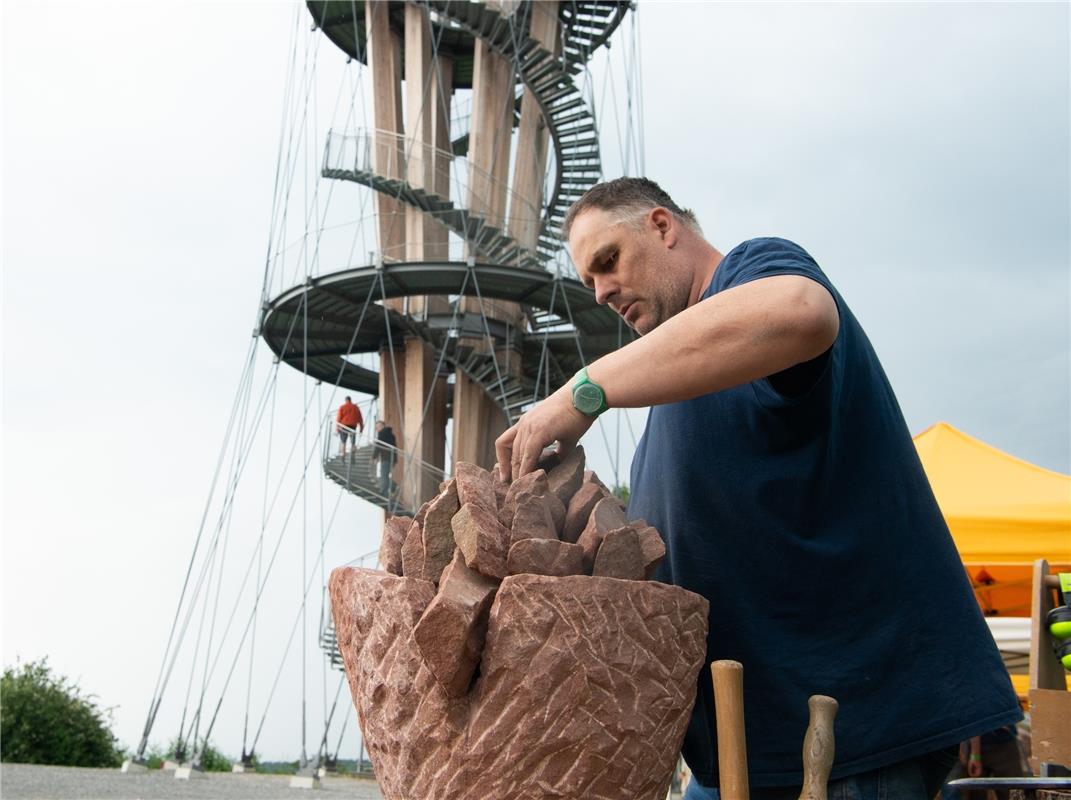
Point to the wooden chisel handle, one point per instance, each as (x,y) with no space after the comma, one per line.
(818,747)
(729,713)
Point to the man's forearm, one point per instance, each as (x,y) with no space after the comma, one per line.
(734,337)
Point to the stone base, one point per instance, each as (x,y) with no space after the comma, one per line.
(186,772)
(130,765)
(304,782)
(585,688)
(171,766)
(238,767)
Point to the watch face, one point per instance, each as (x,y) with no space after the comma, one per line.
(587,398)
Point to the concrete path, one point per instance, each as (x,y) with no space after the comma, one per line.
(32,782)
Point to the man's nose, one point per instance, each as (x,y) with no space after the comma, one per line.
(605,289)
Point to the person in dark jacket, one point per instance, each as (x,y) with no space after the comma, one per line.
(384,455)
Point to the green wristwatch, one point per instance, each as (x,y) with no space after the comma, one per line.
(588,396)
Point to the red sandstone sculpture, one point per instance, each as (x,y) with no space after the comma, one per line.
(519,686)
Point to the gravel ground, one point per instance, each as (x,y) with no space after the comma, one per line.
(30,781)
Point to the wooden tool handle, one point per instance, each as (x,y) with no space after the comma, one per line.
(729,713)
(818,747)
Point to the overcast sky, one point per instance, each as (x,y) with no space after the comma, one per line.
(919,151)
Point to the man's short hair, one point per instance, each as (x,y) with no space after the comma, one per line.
(347,398)
(627,198)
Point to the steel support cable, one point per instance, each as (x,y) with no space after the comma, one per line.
(289,167)
(411,461)
(254,557)
(323,574)
(245,632)
(265,291)
(259,554)
(304,521)
(290,639)
(341,733)
(546,343)
(237,456)
(393,362)
(491,343)
(583,360)
(161,680)
(307,77)
(321,753)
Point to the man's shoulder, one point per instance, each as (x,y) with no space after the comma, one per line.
(762,256)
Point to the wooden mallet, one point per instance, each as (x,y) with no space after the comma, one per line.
(729,715)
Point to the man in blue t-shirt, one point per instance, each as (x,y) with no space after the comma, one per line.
(778,467)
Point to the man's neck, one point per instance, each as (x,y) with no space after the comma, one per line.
(707,260)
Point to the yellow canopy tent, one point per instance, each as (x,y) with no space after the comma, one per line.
(1004,513)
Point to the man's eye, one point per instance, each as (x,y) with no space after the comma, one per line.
(611,260)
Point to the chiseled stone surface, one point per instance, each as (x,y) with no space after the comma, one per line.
(580,508)
(499,485)
(451,631)
(437,535)
(652,545)
(533,518)
(585,689)
(482,540)
(605,517)
(390,548)
(545,557)
(620,555)
(565,479)
(475,485)
(532,483)
(413,546)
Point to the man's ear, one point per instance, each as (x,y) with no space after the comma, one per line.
(665,223)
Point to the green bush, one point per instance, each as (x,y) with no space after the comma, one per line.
(45,719)
(214,761)
(621,493)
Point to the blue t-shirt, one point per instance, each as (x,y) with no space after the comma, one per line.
(798,506)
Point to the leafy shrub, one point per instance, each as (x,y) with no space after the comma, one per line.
(214,761)
(45,719)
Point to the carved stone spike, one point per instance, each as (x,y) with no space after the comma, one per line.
(451,632)
(475,485)
(620,556)
(580,507)
(500,486)
(566,478)
(533,518)
(483,541)
(605,517)
(534,483)
(438,536)
(550,674)
(390,548)
(654,549)
(545,557)
(591,477)
(413,547)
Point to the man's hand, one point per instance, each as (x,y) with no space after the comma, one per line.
(553,420)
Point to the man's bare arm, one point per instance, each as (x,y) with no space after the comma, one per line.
(737,336)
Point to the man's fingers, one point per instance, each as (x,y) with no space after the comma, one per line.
(531,450)
(504,451)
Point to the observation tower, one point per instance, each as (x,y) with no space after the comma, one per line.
(415,263)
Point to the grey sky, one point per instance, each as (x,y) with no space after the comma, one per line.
(919,151)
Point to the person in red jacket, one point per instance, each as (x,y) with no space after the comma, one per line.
(348,423)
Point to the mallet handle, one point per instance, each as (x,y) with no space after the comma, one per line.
(818,747)
(729,712)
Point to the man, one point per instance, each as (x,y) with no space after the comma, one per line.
(347,423)
(384,454)
(778,467)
